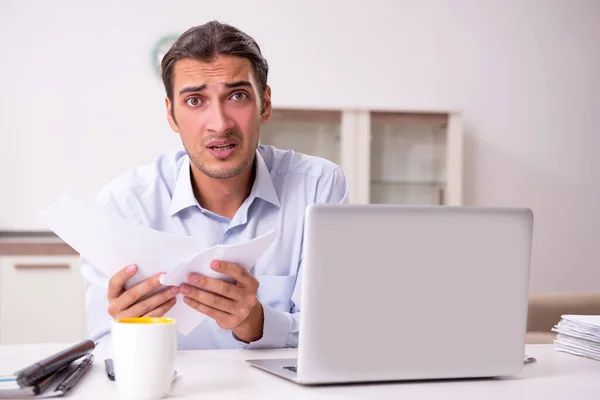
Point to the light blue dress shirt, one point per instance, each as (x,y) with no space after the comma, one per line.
(160,196)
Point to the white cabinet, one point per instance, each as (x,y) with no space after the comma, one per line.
(41,299)
(389,157)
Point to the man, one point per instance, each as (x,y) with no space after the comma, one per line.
(224,188)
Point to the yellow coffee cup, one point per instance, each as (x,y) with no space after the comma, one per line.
(146,320)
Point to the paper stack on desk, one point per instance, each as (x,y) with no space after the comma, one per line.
(579,335)
(110,243)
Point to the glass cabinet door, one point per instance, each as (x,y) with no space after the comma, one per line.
(408,158)
(313,132)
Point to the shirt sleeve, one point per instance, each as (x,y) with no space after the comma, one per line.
(281,329)
(334,189)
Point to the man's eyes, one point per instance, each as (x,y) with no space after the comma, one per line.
(196,101)
(239,96)
(193,101)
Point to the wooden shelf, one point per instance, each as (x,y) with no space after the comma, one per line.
(310,116)
(406,183)
(388,117)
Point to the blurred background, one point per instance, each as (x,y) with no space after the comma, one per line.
(469,102)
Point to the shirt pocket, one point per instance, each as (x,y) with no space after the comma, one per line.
(276,291)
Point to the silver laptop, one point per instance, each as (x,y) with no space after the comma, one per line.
(392,292)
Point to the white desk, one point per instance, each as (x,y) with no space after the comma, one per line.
(223,374)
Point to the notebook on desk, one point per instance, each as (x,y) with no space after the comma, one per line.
(393,293)
(52,376)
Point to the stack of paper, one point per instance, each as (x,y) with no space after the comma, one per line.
(109,243)
(579,335)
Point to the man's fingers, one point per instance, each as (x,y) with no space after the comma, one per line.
(233,270)
(135,293)
(162,309)
(213,300)
(154,301)
(223,288)
(148,308)
(115,285)
(224,320)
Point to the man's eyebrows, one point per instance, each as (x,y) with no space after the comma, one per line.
(192,89)
(236,84)
(228,85)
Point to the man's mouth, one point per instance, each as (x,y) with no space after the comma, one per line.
(222,148)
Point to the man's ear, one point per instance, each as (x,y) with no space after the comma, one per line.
(267,108)
(171,115)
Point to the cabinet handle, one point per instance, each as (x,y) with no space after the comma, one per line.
(42,266)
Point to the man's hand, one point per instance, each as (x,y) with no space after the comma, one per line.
(124,303)
(233,305)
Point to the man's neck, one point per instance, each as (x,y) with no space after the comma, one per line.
(222,196)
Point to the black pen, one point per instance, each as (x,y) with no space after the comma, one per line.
(109,369)
(48,381)
(37,371)
(71,380)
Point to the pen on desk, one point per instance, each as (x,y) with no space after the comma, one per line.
(71,380)
(42,385)
(109,369)
(36,371)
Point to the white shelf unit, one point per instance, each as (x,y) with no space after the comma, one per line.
(390,157)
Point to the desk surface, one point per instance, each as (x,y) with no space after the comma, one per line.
(223,374)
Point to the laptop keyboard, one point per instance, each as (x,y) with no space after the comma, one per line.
(293,369)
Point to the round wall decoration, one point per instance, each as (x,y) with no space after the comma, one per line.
(159,50)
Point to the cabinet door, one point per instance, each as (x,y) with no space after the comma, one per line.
(408,158)
(41,299)
(313,132)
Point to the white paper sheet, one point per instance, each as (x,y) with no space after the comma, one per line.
(244,254)
(109,243)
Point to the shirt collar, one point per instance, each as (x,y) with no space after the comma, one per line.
(183,195)
(263,186)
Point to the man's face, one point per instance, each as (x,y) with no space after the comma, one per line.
(217,112)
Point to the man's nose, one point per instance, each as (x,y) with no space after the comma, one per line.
(218,121)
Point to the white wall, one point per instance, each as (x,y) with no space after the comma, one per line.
(79,102)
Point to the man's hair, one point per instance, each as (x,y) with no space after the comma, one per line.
(206,42)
